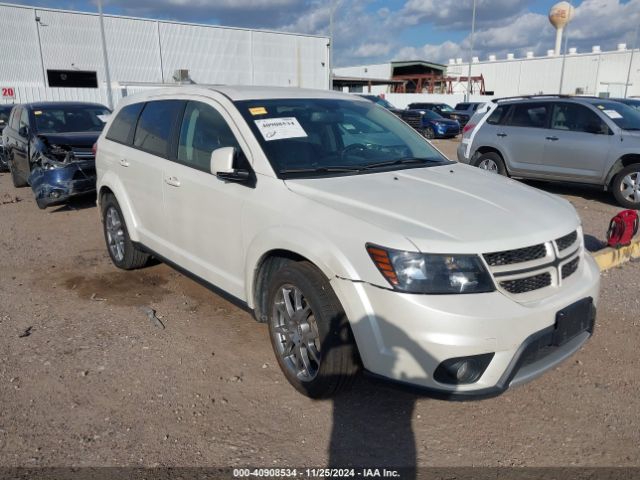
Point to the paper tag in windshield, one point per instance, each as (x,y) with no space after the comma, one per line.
(258,111)
(103,118)
(280,128)
(612,114)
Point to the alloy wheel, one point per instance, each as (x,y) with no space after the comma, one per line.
(115,233)
(489,165)
(295,329)
(630,187)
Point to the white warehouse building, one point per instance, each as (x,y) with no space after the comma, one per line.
(50,54)
(596,73)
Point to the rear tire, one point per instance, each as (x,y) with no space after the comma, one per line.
(626,187)
(491,162)
(310,333)
(124,254)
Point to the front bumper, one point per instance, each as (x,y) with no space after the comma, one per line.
(404,337)
(56,186)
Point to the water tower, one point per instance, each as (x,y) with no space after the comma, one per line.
(559,15)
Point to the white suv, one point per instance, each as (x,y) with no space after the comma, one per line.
(357,242)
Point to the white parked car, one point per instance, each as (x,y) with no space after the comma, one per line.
(357,242)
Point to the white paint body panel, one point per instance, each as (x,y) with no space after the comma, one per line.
(220,232)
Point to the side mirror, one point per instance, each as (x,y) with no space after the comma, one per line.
(23,131)
(222,165)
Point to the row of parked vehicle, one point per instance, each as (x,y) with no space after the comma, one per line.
(572,139)
(358,243)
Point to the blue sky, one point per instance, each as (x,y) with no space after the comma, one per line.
(370,31)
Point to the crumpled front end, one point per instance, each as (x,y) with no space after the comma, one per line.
(60,173)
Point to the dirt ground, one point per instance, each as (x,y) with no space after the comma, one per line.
(86,379)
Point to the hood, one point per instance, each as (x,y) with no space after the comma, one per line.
(446,209)
(77,139)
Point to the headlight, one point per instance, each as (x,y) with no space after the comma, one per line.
(414,272)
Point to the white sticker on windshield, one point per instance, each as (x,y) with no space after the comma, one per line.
(103,118)
(612,114)
(280,128)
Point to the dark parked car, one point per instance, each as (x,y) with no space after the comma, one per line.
(631,102)
(441,109)
(5,110)
(430,124)
(49,146)
(465,111)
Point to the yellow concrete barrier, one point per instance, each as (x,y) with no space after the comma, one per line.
(610,257)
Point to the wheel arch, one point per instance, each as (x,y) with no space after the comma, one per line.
(273,249)
(622,162)
(111,184)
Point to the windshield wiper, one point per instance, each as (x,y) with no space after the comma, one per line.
(400,161)
(322,170)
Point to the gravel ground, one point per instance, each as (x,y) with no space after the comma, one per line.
(86,379)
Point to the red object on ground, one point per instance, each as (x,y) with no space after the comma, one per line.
(622,229)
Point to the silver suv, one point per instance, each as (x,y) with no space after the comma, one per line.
(572,139)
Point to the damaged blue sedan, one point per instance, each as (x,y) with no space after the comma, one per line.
(49,146)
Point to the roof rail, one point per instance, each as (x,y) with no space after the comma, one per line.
(545,95)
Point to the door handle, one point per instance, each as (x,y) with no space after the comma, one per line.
(501,134)
(553,139)
(173,181)
(124,163)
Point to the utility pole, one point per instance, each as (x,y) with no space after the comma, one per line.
(564,56)
(331,44)
(107,74)
(633,47)
(467,96)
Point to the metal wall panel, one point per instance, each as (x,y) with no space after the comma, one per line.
(212,55)
(20,55)
(134,50)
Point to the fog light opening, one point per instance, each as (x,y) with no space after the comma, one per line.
(462,370)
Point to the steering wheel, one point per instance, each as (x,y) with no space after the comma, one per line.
(353,147)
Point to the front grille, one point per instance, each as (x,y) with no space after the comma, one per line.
(83,153)
(566,241)
(414,120)
(528,284)
(519,255)
(570,268)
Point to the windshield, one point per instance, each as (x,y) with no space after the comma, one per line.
(622,115)
(431,115)
(70,119)
(4,116)
(312,137)
(445,108)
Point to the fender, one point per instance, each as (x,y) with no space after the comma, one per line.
(617,166)
(315,248)
(110,180)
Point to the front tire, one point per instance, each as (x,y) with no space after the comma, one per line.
(124,254)
(310,333)
(18,181)
(626,187)
(429,133)
(491,162)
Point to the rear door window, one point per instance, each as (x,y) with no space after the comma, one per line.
(203,131)
(532,115)
(153,132)
(577,118)
(123,126)
(498,116)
